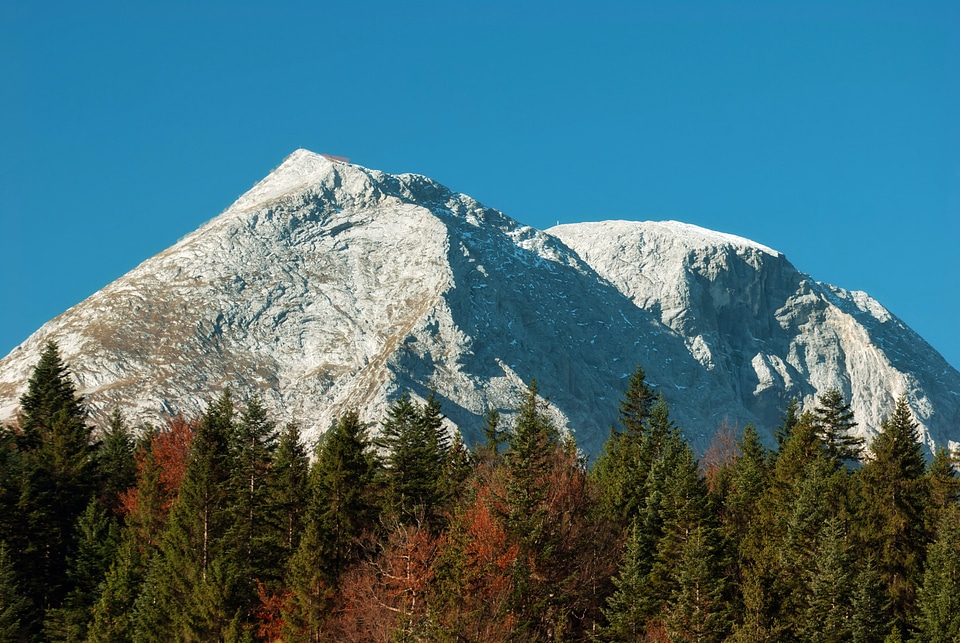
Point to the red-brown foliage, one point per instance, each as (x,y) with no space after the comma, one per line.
(168,451)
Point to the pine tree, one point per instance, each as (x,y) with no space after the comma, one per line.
(674,562)
(867,623)
(251,529)
(834,423)
(698,610)
(627,615)
(288,487)
(943,486)
(636,403)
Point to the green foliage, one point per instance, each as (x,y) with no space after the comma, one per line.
(49,484)
(13,604)
(894,494)
(790,420)
(939,602)
(416,446)
(827,617)
(943,485)
(834,423)
(115,463)
(340,512)
(98,536)
(288,488)
(221,529)
(621,471)
(191,588)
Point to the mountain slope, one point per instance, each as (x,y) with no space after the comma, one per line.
(770,331)
(329,286)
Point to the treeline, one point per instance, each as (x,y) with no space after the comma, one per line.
(225,528)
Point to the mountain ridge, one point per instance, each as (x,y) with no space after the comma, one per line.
(328,285)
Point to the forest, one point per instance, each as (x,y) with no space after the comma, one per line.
(227,527)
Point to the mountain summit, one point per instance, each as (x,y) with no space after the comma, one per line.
(329,286)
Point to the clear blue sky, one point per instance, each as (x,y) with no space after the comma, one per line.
(830,131)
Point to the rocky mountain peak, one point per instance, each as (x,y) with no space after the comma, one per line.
(329,286)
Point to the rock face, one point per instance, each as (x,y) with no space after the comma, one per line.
(329,286)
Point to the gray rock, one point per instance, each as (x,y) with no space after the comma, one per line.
(329,286)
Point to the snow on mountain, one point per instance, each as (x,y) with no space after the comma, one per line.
(329,286)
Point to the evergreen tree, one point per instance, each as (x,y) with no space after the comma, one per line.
(192,585)
(621,471)
(868,606)
(252,528)
(894,496)
(698,610)
(55,482)
(416,446)
(626,615)
(834,423)
(943,486)
(495,435)
(827,617)
(288,485)
(115,463)
(528,460)
(748,481)
(113,616)
(341,509)
(636,403)
(674,562)
(98,539)
(13,605)
(938,618)
(789,421)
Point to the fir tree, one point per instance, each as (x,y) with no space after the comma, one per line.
(98,537)
(636,403)
(288,487)
(789,421)
(528,459)
(252,530)
(943,486)
(626,615)
(867,622)
(698,610)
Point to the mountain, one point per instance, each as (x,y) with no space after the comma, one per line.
(329,286)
